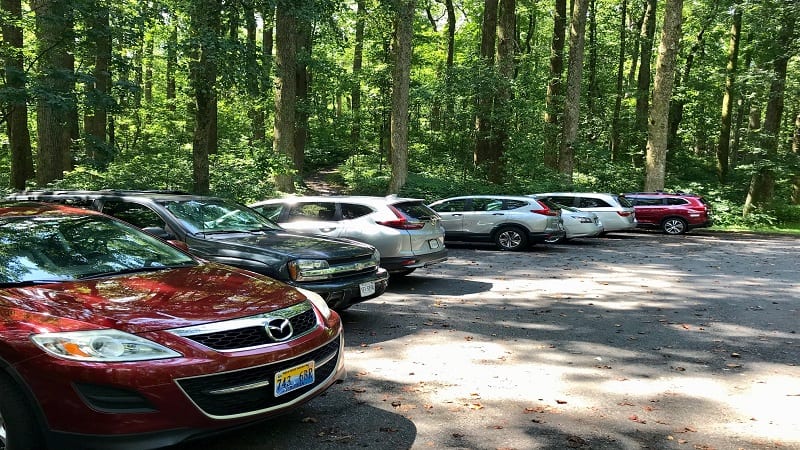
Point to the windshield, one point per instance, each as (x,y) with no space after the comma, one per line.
(65,248)
(218,216)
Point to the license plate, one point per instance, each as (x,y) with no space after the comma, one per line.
(294,378)
(434,243)
(367,288)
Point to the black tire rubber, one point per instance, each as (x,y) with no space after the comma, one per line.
(674,226)
(511,238)
(19,429)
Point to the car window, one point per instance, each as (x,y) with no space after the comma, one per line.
(623,201)
(451,206)
(354,211)
(133,213)
(271,211)
(486,204)
(414,210)
(217,215)
(591,202)
(677,201)
(324,211)
(513,204)
(643,201)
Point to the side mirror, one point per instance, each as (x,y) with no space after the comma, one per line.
(158,232)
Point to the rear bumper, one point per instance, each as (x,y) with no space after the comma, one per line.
(343,293)
(547,236)
(397,264)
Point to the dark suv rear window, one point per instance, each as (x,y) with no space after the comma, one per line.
(415,210)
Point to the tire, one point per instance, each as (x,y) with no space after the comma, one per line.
(511,238)
(402,273)
(19,429)
(674,225)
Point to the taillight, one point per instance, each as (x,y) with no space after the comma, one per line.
(624,213)
(546,211)
(401,223)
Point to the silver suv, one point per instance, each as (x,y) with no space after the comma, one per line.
(408,234)
(511,222)
(615,211)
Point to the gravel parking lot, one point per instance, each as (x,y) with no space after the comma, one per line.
(631,341)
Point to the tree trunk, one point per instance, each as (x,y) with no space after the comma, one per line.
(303,80)
(572,102)
(643,80)
(253,68)
(762,185)
(483,119)
(148,68)
(205,22)
(637,44)
(677,104)
(17,114)
(401,75)
(55,102)
(286,90)
(656,162)
(451,49)
(616,141)
(172,64)
(506,52)
(724,145)
(554,101)
(594,88)
(796,151)
(96,116)
(355,92)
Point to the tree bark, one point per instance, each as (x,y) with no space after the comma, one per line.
(572,102)
(594,88)
(645,55)
(303,80)
(796,151)
(355,92)
(55,102)
(401,77)
(19,138)
(286,89)
(677,104)
(172,64)
(616,141)
(656,162)
(253,68)
(553,100)
(506,52)
(724,145)
(96,117)
(762,185)
(205,22)
(483,118)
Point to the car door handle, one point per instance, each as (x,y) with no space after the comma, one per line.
(498,214)
(456,215)
(327,229)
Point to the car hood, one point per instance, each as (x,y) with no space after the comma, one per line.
(289,245)
(149,301)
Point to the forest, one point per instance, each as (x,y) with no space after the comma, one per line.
(423,98)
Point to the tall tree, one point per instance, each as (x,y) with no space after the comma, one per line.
(616,141)
(796,151)
(56,107)
(483,118)
(99,90)
(304,42)
(762,184)
(724,144)
(501,122)
(572,100)
(205,17)
(646,38)
(656,162)
(355,91)
(554,100)
(17,110)
(401,79)
(286,89)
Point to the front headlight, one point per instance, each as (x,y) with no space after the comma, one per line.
(101,346)
(309,270)
(317,301)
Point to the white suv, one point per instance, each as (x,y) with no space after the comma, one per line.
(615,211)
(408,234)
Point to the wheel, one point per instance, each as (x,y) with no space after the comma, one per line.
(402,273)
(674,225)
(18,427)
(510,238)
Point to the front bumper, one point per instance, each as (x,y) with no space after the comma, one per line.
(343,293)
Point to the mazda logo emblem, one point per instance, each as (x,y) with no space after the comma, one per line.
(279,329)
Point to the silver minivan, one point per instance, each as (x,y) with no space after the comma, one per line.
(511,222)
(615,211)
(408,234)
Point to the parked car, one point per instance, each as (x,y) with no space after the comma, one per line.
(616,213)
(343,272)
(512,223)
(111,338)
(672,213)
(577,223)
(408,234)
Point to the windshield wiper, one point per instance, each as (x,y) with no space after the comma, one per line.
(115,273)
(12,284)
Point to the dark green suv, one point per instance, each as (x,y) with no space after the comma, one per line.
(343,272)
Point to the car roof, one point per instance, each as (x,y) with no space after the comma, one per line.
(662,193)
(29,208)
(112,193)
(367,199)
(575,194)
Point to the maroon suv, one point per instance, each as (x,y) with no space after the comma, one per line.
(672,213)
(112,338)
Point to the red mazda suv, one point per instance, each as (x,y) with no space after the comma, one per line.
(672,213)
(112,338)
